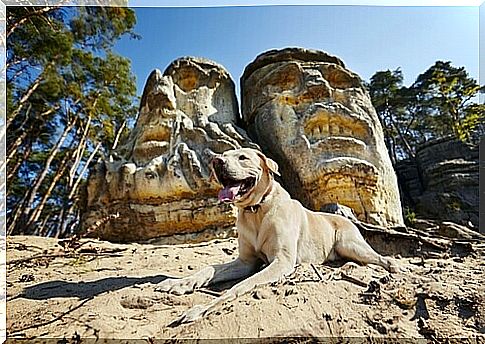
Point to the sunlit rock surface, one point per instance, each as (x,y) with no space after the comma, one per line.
(303,107)
(158,182)
(315,118)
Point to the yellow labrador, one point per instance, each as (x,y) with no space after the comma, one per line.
(272,229)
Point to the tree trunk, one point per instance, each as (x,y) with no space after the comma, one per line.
(58,231)
(25,132)
(41,231)
(14,217)
(13,148)
(26,205)
(12,171)
(83,171)
(32,87)
(71,197)
(403,139)
(34,216)
(118,135)
(79,153)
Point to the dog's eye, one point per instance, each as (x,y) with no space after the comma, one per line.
(243,157)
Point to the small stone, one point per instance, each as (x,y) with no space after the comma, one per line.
(260,295)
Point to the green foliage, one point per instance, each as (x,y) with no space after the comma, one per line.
(67,93)
(396,109)
(409,216)
(440,102)
(99,27)
(472,126)
(445,93)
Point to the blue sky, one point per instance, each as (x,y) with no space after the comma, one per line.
(366,38)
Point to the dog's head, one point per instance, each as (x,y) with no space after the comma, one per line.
(244,174)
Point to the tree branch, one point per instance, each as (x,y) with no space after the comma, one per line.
(41,11)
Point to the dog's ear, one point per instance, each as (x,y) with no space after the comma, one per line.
(270,164)
(273,166)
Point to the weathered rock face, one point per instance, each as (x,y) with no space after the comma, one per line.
(158,181)
(306,110)
(314,117)
(442,183)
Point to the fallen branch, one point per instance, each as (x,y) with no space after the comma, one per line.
(73,242)
(421,241)
(348,278)
(111,253)
(320,277)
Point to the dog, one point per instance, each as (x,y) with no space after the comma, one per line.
(273,230)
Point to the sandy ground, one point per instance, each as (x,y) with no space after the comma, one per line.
(103,290)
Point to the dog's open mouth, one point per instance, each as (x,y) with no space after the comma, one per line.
(235,188)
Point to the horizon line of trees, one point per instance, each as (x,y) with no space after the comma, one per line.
(442,101)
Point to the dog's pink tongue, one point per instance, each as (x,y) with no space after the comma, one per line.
(228,194)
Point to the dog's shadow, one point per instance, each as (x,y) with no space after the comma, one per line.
(223,286)
(84,290)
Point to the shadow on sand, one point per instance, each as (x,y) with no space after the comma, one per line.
(84,290)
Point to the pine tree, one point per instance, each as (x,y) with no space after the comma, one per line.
(68,97)
(442,101)
(447,93)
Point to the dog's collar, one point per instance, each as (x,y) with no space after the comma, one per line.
(254,208)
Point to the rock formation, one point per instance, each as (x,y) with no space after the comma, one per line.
(305,109)
(315,118)
(157,183)
(442,182)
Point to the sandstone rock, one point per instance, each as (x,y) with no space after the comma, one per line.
(409,180)
(304,107)
(447,164)
(453,230)
(314,117)
(442,182)
(447,229)
(158,180)
(426,225)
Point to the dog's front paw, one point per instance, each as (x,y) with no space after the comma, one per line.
(176,286)
(193,314)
